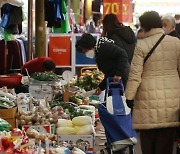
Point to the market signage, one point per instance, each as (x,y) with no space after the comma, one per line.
(122,8)
(60,50)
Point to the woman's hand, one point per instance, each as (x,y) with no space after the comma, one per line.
(116,78)
(98,91)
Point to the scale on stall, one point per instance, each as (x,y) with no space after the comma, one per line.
(67,75)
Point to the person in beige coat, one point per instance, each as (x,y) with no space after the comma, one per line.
(155,87)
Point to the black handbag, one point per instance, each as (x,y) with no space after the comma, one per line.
(153,48)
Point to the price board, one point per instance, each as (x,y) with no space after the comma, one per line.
(121,8)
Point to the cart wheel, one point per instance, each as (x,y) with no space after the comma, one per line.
(105,151)
(131,150)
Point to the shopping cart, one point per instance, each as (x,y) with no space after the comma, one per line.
(115,116)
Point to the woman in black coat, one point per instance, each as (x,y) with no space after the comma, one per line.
(123,36)
(111,59)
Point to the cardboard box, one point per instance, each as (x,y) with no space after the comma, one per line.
(42,129)
(83,142)
(12,122)
(9,115)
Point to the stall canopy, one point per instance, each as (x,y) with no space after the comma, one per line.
(161,6)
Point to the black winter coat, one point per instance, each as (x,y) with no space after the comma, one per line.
(174,33)
(178,28)
(124,38)
(112,60)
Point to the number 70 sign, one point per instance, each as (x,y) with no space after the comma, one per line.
(122,8)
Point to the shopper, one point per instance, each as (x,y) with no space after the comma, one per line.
(39,64)
(154,86)
(111,59)
(177,19)
(140,34)
(169,26)
(123,36)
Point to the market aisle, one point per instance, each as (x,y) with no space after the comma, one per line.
(100,139)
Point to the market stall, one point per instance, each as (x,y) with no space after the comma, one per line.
(59,114)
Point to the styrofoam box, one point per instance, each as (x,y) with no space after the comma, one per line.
(83,142)
(42,129)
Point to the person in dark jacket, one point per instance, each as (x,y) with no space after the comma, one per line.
(111,59)
(123,36)
(169,26)
(177,19)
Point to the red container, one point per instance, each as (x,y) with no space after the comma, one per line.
(10,80)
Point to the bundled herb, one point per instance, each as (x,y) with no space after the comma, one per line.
(45,76)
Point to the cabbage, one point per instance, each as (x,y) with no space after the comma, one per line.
(82,120)
(85,130)
(66,131)
(64,123)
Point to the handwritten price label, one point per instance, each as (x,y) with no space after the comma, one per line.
(112,8)
(116,8)
(122,8)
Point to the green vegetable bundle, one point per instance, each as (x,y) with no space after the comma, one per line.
(45,76)
(7,100)
(4,125)
(70,108)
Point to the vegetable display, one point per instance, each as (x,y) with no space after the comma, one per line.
(81,125)
(15,142)
(90,80)
(45,76)
(4,125)
(69,108)
(7,100)
(32,133)
(40,116)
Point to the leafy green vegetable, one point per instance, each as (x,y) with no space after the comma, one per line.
(69,108)
(45,76)
(4,125)
(76,99)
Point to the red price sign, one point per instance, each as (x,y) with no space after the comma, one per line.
(122,8)
(112,7)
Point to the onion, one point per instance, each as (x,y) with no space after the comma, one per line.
(22,117)
(23,122)
(55,115)
(29,123)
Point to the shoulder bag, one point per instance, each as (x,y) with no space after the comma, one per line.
(153,48)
